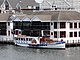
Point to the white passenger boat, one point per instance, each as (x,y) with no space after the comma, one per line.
(23,40)
(47,44)
(35,42)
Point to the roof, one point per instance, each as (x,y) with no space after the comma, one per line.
(4,17)
(45,16)
(41,17)
(60,15)
(66,15)
(1,1)
(23,3)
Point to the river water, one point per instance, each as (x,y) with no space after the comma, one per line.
(11,52)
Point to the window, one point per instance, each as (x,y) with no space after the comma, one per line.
(9,33)
(8,23)
(79,25)
(55,34)
(46,33)
(51,23)
(75,34)
(45,25)
(3,28)
(75,25)
(71,34)
(51,33)
(26,39)
(71,25)
(79,33)
(55,25)
(16,38)
(62,34)
(37,8)
(21,38)
(0,11)
(62,24)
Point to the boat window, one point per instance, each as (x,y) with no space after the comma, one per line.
(16,38)
(30,39)
(21,38)
(26,39)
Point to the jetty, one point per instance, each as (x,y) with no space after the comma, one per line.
(9,40)
(6,40)
(74,43)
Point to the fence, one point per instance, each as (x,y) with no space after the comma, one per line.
(6,38)
(73,41)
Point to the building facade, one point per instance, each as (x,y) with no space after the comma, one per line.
(58,25)
(66,27)
(31,25)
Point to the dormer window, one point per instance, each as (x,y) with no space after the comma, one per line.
(6,5)
(37,8)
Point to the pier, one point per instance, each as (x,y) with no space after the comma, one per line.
(9,40)
(6,40)
(73,43)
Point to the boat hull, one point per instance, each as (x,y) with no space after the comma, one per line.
(19,44)
(49,46)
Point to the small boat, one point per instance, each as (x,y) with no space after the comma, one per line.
(47,44)
(24,40)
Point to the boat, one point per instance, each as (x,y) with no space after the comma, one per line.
(23,40)
(50,44)
(37,42)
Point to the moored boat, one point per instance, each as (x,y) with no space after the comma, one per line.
(37,42)
(47,44)
(24,40)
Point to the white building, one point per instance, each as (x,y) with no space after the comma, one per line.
(65,26)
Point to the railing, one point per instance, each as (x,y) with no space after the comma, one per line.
(6,38)
(72,41)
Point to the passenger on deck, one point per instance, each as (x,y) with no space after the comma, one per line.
(43,40)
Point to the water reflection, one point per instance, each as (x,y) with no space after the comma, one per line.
(10,52)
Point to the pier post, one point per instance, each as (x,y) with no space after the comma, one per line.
(73,41)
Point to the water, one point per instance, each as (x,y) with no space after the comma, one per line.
(11,52)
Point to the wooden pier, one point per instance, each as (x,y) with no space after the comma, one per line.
(72,44)
(7,42)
